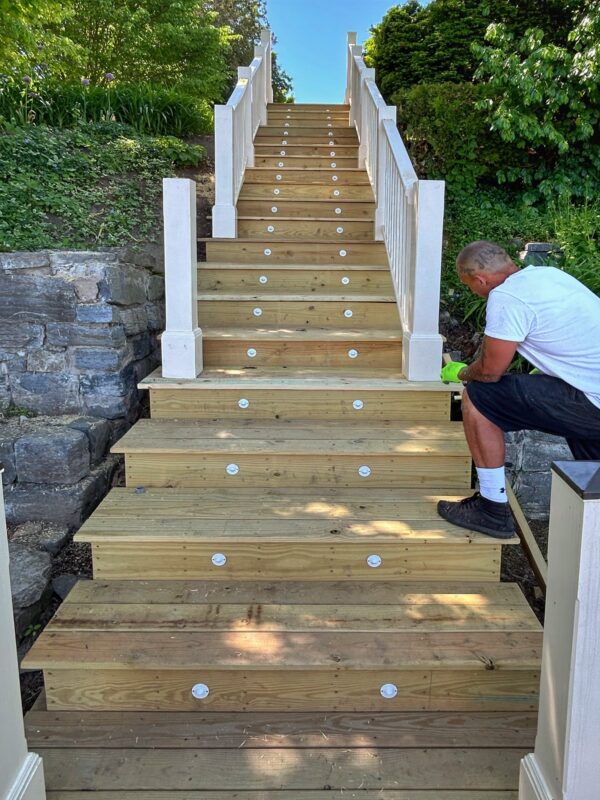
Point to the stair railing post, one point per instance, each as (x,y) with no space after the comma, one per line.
(350,40)
(266,39)
(368,74)
(356,88)
(385,112)
(260,92)
(245,73)
(181,343)
(21,773)
(422,343)
(224,212)
(565,764)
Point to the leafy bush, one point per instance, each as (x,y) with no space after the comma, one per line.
(576,230)
(96,185)
(148,109)
(448,137)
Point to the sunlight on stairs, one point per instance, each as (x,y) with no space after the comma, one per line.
(277,609)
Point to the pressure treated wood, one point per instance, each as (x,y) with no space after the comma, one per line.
(305,252)
(229,771)
(329,176)
(276,161)
(313,209)
(310,131)
(307,312)
(325,149)
(307,278)
(294,228)
(360,794)
(297,191)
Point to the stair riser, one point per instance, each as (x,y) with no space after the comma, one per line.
(335,209)
(320,117)
(329,231)
(325,150)
(278,353)
(306,162)
(268,404)
(281,404)
(323,139)
(176,560)
(261,252)
(236,313)
(293,690)
(259,191)
(196,470)
(303,126)
(327,176)
(361,282)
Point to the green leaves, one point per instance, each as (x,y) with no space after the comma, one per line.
(96,185)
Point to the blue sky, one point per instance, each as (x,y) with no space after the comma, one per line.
(311,40)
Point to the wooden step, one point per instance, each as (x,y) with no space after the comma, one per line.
(294,393)
(344,150)
(268,657)
(94,765)
(284,535)
(289,161)
(245,251)
(328,176)
(295,454)
(283,346)
(293,228)
(308,209)
(313,191)
(258,311)
(291,134)
(325,279)
(277,115)
(309,106)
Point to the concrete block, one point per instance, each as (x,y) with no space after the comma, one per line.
(98,432)
(51,393)
(29,574)
(63,505)
(78,335)
(125,287)
(35,297)
(54,455)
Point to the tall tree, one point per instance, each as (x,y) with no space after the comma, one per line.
(22,38)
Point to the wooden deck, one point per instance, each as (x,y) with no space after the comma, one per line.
(278,612)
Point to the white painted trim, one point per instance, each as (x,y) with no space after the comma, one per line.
(29,783)
(532,785)
(421,356)
(181,343)
(350,40)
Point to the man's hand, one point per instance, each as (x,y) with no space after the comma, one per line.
(449,373)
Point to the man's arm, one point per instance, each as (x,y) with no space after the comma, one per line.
(495,358)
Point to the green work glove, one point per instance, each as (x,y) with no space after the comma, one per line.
(535,371)
(449,373)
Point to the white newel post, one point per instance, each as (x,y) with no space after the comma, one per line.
(181,343)
(266,41)
(368,74)
(422,343)
(350,40)
(21,773)
(566,761)
(355,87)
(224,212)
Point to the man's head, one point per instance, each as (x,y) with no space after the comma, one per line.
(483,265)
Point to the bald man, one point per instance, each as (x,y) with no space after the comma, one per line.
(553,320)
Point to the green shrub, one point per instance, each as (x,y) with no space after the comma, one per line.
(97,185)
(149,109)
(447,137)
(576,230)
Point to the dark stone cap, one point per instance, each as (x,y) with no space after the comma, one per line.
(582,476)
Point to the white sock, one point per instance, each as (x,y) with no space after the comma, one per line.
(492,484)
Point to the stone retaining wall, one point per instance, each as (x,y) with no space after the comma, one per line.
(530,455)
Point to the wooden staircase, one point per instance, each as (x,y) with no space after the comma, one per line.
(278,612)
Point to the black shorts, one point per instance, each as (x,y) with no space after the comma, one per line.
(541,403)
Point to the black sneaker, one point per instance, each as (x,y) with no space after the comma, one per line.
(477,513)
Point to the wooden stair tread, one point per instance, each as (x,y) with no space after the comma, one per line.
(304,335)
(296,378)
(218,265)
(251,730)
(381,515)
(291,243)
(281,218)
(292,436)
(361,794)
(294,298)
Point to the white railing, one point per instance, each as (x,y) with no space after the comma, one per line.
(235,128)
(564,765)
(409,218)
(21,773)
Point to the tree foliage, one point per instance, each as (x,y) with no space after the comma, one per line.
(544,99)
(429,44)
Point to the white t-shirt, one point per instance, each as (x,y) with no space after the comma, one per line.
(556,320)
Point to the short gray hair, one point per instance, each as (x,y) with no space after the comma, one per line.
(483,256)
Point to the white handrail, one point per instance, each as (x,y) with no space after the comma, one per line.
(409,218)
(235,128)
